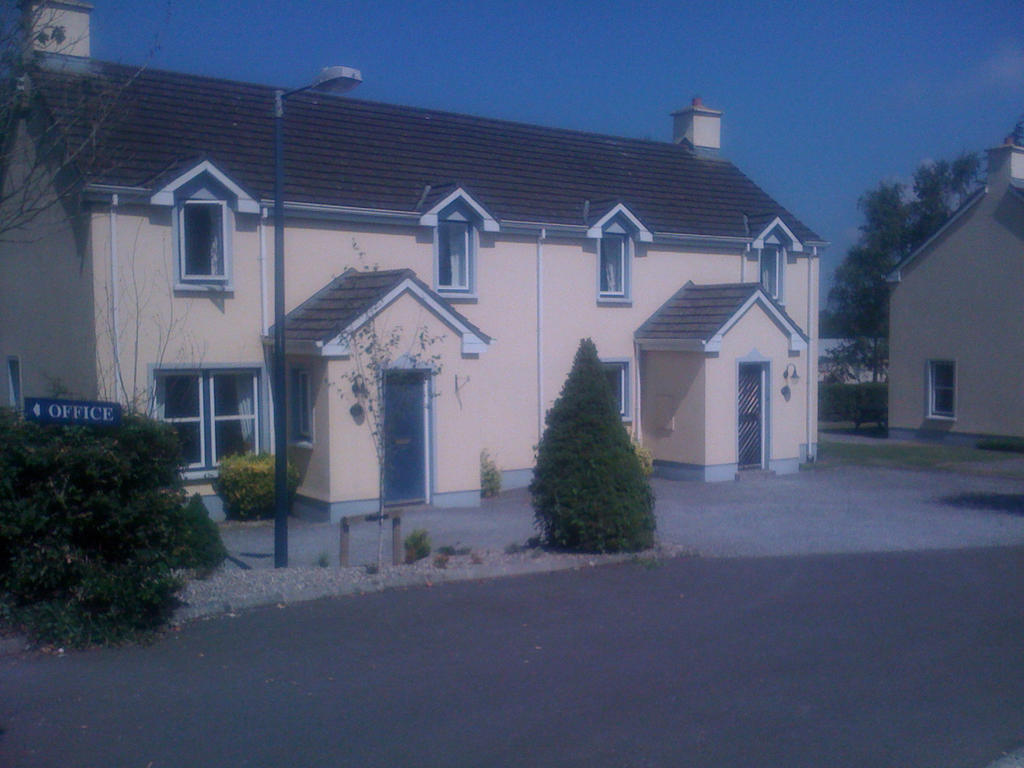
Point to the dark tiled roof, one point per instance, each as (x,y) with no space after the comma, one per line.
(347,152)
(698,312)
(326,313)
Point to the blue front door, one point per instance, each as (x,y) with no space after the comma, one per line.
(405,437)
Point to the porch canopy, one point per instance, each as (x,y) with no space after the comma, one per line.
(697,318)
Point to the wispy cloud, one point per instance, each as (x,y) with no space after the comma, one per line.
(1001,71)
(1004,69)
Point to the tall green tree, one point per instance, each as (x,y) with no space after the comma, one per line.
(896,221)
(589,490)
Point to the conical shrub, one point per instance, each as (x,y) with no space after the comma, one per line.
(589,490)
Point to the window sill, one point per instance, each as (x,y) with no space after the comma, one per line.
(218,288)
(614,301)
(457,297)
(939,417)
(200,474)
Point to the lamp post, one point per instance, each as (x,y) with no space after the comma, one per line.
(330,80)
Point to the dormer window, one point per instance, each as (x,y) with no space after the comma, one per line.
(202,239)
(617,233)
(457,220)
(773,245)
(205,203)
(614,265)
(455,251)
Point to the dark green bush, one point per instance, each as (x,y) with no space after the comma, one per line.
(246,484)
(589,490)
(91,527)
(199,546)
(859,403)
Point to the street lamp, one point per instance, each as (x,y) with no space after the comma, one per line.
(330,80)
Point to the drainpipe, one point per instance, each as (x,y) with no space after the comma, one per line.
(264,329)
(637,425)
(811,302)
(540,332)
(115,309)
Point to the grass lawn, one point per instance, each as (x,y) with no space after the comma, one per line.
(879,452)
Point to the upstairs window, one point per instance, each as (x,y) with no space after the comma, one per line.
(202,240)
(614,265)
(455,255)
(771,270)
(942,389)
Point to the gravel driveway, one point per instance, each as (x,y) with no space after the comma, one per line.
(824,510)
(841,509)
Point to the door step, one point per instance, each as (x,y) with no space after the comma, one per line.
(755,474)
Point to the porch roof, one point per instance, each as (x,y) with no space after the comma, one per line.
(345,302)
(697,316)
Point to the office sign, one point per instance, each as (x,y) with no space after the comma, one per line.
(83,412)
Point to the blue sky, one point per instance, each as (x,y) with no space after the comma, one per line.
(821,101)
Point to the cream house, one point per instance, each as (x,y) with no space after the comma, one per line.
(956,349)
(483,250)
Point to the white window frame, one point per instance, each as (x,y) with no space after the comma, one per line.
(14,391)
(780,257)
(207,417)
(199,419)
(185,279)
(468,287)
(625,252)
(623,366)
(216,419)
(301,406)
(933,412)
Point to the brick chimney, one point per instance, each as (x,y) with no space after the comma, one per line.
(699,125)
(60,26)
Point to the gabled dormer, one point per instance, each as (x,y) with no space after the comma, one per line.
(617,231)
(204,202)
(771,244)
(457,220)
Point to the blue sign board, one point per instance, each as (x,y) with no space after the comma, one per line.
(49,411)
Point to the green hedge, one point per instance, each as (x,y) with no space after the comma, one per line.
(246,484)
(859,403)
(93,524)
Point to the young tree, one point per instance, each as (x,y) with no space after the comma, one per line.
(589,489)
(376,348)
(896,221)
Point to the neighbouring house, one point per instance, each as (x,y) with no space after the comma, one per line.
(498,243)
(956,349)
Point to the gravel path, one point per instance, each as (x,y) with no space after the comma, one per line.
(824,511)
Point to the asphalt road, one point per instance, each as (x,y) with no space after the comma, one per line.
(897,659)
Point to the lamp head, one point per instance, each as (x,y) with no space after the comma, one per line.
(337,80)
